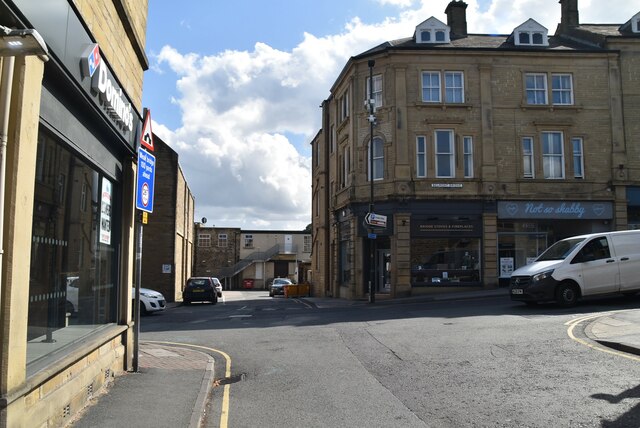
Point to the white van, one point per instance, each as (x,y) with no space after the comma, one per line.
(585,265)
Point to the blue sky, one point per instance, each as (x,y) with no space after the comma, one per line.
(235,86)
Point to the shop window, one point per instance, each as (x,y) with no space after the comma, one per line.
(442,261)
(73,282)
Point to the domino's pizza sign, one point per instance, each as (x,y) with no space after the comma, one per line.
(91,60)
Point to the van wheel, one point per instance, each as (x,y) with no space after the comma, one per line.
(566,295)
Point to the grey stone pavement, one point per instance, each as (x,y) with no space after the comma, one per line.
(173,383)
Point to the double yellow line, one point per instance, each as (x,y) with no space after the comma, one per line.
(575,322)
(224,414)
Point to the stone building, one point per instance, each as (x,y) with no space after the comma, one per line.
(251,258)
(486,149)
(74,118)
(168,237)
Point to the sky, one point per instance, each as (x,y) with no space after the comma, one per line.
(235,87)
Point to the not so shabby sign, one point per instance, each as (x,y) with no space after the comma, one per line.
(555,210)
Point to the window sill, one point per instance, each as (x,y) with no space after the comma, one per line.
(444,106)
(551,107)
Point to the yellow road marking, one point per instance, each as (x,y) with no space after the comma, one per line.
(573,323)
(224,414)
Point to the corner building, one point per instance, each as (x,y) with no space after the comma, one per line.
(67,267)
(486,149)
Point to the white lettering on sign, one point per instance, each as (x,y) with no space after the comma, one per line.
(111,95)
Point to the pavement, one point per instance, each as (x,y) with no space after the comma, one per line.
(180,378)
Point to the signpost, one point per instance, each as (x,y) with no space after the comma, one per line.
(145,184)
(376,220)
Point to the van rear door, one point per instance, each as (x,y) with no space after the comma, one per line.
(598,267)
(627,250)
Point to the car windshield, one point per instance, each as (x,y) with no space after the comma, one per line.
(281,281)
(560,250)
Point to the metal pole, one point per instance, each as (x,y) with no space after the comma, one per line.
(372,274)
(136,300)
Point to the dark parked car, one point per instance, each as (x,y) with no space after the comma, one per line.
(277,286)
(200,289)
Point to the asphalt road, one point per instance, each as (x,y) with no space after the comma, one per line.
(467,363)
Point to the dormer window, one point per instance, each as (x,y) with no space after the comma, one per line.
(432,31)
(530,34)
(635,23)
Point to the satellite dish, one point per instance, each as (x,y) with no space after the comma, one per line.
(204,220)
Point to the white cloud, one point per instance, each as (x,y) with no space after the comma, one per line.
(238,107)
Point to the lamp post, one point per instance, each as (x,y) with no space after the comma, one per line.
(372,119)
(12,43)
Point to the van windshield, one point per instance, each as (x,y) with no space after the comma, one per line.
(560,250)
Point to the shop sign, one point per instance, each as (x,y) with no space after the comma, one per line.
(439,228)
(447,185)
(570,210)
(112,98)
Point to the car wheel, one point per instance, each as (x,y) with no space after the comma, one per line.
(566,295)
(69,308)
(186,302)
(214,300)
(143,309)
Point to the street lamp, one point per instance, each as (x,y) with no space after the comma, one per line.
(12,43)
(372,120)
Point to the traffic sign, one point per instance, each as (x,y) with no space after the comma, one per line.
(376,220)
(145,181)
(146,138)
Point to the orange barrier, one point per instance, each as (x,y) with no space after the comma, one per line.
(296,290)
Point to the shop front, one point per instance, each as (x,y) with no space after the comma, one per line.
(527,228)
(70,222)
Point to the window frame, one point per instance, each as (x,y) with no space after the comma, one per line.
(421,156)
(549,159)
(528,157)
(535,90)
(451,154)
(456,90)
(467,156)
(578,156)
(202,239)
(432,89)
(344,106)
(223,240)
(378,158)
(248,241)
(562,90)
(377,91)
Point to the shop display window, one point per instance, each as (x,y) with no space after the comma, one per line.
(445,261)
(73,276)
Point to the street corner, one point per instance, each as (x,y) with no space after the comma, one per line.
(153,355)
(620,330)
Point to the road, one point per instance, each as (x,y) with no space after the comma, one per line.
(460,363)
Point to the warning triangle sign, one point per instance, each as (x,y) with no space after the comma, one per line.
(146,138)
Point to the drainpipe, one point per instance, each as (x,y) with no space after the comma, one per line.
(5,102)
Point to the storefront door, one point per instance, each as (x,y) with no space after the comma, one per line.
(383,270)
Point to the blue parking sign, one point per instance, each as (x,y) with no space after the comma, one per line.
(145,181)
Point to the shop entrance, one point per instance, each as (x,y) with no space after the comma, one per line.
(383,271)
(516,250)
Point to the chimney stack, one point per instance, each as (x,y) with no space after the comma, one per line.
(457,18)
(569,17)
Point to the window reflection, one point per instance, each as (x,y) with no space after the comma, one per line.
(72,285)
